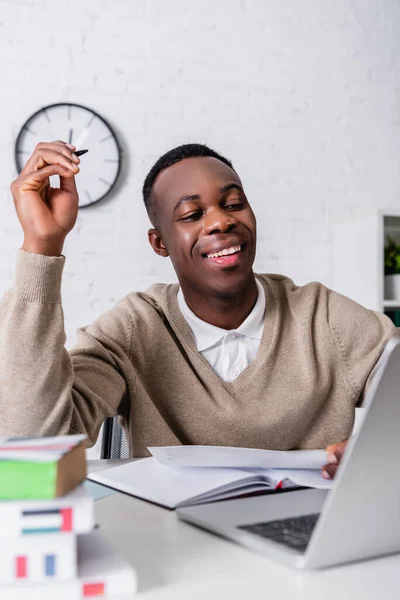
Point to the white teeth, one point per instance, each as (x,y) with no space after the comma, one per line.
(224,252)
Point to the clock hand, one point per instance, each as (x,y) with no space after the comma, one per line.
(70,136)
(82,138)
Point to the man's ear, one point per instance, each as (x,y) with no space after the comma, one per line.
(156,243)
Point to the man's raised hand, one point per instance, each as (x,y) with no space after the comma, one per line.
(47,214)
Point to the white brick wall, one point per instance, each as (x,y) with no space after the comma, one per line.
(302,96)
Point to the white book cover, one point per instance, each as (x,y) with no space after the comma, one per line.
(73,512)
(38,558)
(102,573)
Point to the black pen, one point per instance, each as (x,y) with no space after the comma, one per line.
(80,152)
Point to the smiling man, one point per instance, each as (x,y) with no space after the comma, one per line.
(210,235)
(225,357)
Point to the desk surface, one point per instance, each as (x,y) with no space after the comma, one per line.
(176,561)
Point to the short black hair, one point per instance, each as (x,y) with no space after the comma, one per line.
(167,160)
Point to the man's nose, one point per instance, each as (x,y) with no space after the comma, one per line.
(218,221)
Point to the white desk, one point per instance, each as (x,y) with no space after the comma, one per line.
(176,561)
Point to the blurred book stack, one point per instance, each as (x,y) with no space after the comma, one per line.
(48,545)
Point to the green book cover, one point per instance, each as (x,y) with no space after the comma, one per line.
(41,468)
(27,480)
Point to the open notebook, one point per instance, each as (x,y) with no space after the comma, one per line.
(175,487)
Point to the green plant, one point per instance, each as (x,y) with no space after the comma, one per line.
(392,256)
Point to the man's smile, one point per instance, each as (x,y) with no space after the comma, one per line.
(227,256)
(224,252)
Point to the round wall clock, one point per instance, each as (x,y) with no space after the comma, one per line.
(84,128)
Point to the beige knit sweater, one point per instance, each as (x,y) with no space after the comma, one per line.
(139,360)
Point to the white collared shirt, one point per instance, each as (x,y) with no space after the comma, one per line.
(228,352)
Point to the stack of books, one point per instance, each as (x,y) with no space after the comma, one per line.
(49,546)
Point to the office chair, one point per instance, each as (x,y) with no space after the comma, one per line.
(114,443)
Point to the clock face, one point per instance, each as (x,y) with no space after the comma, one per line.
(82,127)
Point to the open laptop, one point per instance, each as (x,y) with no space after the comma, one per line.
(358,519)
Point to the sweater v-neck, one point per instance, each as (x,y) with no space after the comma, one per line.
(185,335)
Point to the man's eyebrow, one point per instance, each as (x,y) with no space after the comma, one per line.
(190,198)
(231,186)
(194,197)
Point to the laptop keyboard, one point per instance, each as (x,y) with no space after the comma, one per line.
(294,532)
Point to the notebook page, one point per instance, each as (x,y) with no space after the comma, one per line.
(168,486)
(244,490)
(302,477)
(224,456)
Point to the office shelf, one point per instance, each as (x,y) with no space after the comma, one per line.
(359,257)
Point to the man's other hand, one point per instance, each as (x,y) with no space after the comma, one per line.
(334,455)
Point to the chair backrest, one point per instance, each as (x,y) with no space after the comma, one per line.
(114,442)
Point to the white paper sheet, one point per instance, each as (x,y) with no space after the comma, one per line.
(227,457)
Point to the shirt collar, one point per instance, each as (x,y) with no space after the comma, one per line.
(207,335)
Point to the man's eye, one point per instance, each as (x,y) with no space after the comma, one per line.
(235,206)
(192,217)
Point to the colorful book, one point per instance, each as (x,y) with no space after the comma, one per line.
(102,573)
(41,468)
(73,512)
(37,559)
